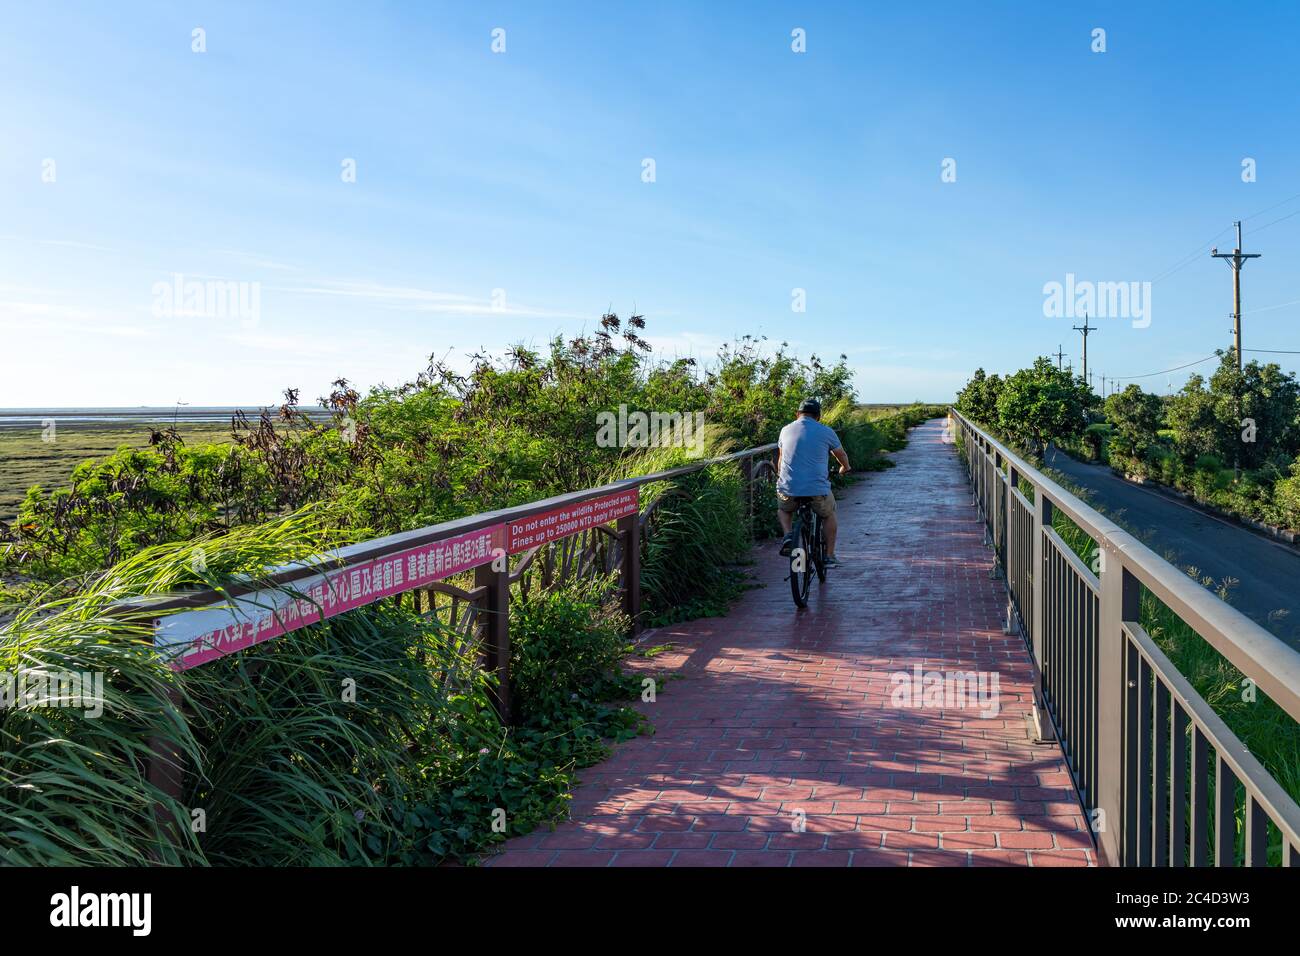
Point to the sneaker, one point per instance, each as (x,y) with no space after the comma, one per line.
(787,545)
(831,562)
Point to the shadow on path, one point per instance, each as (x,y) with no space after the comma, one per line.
(780,744)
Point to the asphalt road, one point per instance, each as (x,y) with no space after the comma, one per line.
(1268,574)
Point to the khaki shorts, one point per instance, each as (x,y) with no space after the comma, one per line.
(822,505)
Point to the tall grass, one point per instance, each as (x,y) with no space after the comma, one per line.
(868,433)
(73,787)
(699,530)
(369,738)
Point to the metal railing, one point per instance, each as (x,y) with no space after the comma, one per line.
(1157,769)
(297,595)
(583,543)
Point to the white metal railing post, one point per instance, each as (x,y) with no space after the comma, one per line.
(1040,518)
(1120,602)
(1010,546)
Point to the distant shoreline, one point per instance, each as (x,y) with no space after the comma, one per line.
(142,415)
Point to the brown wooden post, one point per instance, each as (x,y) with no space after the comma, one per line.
(496,632)
(167,773)
(747,471)
(629,531)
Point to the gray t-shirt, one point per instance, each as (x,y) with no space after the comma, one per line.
(806,446)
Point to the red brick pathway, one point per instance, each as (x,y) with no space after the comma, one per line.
(781,718)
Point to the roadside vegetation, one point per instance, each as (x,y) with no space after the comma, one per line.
(283,766)
(1231,442)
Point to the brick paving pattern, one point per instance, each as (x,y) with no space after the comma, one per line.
(780,717)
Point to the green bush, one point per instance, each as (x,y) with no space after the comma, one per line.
(1095,440)
(1287,498)
(565,646)
(513,429)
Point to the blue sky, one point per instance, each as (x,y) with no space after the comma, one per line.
(522,172)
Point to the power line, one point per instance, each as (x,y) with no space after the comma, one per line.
(1270,308)
(1275,206)
(1276,221)
(1165,371)
(1179,368)
(1192,256)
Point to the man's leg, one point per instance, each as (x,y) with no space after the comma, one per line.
(786,518)
(830,524)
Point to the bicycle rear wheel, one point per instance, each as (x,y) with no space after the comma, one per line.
(801,562)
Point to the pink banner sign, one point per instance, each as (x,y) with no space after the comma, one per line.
(559,523)
(205,634)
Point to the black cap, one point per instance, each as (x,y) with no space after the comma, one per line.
(810,406)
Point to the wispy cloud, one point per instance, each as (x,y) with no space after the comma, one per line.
(45,310)
(298,346)
(257,260)
(74,244)
(71,243)
(685,345)
(411,299)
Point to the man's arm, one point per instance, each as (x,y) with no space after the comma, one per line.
(842,458)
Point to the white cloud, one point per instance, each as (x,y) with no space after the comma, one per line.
(685,345)
(411,299)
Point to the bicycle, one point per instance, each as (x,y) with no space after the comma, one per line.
(808,556)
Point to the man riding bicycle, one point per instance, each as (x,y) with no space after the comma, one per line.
(801,468)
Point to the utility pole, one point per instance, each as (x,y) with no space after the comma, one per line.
(1060,358)
(1085,329)
(1236,259)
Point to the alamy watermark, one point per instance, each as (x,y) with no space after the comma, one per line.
(133,911)
(79,690)
(1075,299)
(208,299)
(946,690)
(626,429)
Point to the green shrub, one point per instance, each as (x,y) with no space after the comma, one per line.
(1287,498)
(513,429)
(565,646)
